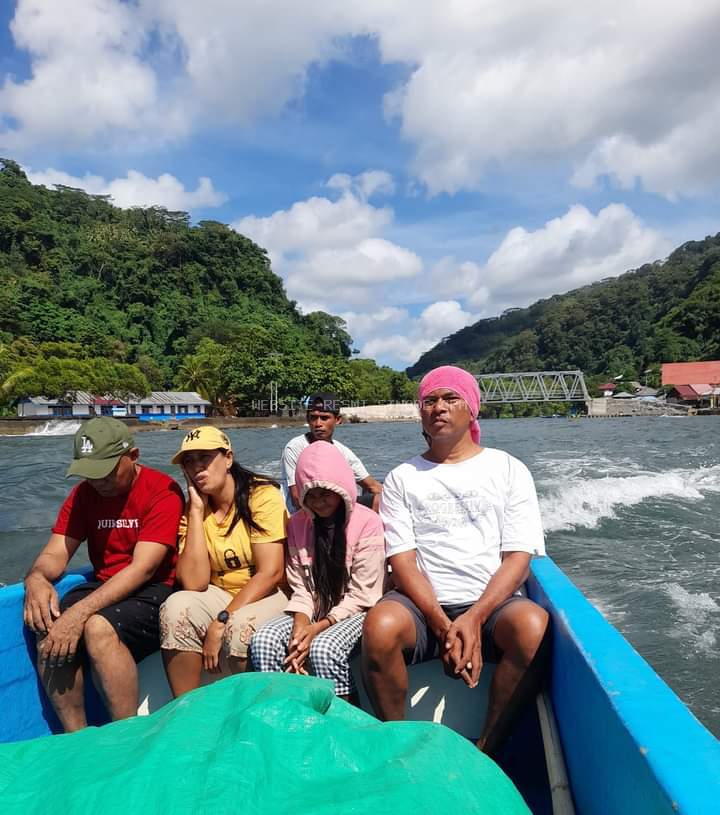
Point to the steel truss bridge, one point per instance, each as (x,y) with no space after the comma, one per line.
(533,386)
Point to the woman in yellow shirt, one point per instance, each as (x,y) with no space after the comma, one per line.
(231,562)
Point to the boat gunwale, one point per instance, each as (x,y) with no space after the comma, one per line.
(660,733)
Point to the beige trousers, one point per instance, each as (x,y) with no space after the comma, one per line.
(186,615)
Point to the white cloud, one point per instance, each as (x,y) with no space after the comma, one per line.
(376,182)
(629,89)
(453,278)
(528,82)
(316,223)
(334,256)
(412,337)
(368,263)
(137,190)
(245,60)
(154,69)
(444,317)
(570,251)
(88,76)
(365,185)
(361,324)
(331,252)
(686,161)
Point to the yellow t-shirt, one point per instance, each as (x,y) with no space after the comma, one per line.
(231,557)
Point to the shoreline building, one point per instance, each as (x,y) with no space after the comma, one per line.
(157,407)
(697,383)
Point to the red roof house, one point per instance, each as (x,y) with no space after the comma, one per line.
(685,373)
(686,393)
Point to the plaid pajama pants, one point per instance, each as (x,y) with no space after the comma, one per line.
(330,652)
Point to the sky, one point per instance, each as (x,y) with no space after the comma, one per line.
(410,165)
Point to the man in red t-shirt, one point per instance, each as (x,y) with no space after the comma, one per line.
(129,515)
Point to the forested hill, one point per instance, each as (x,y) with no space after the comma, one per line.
(663,312)
(93,297)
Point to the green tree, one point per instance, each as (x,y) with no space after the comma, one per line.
(621,362)
(329,333)
(207,372)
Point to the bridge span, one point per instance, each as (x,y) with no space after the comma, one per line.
(533,386)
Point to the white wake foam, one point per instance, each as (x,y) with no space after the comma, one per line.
(586,502)
(691,605)
(698,613)
(55,427)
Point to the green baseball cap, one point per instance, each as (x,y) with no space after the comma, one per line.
(99,444)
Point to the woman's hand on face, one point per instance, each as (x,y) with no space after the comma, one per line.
(198,500)
(212,646)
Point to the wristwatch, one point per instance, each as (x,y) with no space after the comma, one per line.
(223,616)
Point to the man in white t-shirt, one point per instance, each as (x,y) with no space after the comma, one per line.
(323,415)
(461,525)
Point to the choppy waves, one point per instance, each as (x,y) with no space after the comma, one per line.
(585,502)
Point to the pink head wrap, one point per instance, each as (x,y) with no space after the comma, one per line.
(459,381)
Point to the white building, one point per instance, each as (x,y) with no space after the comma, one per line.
(158,406)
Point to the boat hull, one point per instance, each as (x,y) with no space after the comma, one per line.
(630,745)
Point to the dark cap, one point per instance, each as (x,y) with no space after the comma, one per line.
(328,402)
(99,445)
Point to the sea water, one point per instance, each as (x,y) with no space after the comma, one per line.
(630,508)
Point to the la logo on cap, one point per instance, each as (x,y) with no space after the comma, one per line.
(87,446)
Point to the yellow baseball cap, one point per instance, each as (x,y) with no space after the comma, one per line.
(202,438)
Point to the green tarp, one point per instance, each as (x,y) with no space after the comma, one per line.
(261,744)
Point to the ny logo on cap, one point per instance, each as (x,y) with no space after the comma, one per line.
(87,446)
(192,435)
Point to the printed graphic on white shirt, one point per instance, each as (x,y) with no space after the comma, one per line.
(460,518)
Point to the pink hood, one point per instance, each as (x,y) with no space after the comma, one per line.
(323,465)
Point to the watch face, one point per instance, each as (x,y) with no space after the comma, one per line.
(223,617)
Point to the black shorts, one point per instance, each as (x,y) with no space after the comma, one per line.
(426,644)
(134,619)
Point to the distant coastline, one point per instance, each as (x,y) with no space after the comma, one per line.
(24,427)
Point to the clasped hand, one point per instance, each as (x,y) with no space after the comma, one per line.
(61,643)
(461,649)
(299,647)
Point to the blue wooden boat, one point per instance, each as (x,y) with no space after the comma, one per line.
(608,736)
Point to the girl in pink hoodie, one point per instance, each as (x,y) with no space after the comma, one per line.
(335,568)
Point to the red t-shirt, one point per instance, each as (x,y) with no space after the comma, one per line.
(112,526)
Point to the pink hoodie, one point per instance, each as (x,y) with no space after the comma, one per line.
(323,465)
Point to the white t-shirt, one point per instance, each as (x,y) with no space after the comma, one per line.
(295,446)
(460,517)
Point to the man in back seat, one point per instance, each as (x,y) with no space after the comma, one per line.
(323,416)
(461,525)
